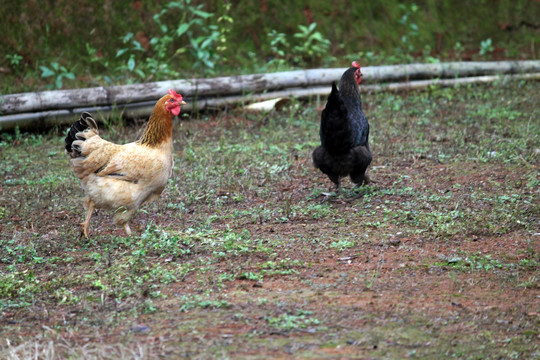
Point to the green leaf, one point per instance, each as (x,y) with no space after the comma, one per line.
(137,46)
(131,64)
(121,52)
(59,82)
(127,37)
(182,29)
(140,73)
(174,4)
(202,14)
(46,72)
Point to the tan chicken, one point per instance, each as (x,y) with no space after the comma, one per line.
(122,178)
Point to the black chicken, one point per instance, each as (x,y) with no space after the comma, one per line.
(344,132)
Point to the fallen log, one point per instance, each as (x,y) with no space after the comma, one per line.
(243,84)
(143,109)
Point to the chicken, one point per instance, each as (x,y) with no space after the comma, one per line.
(344,132)
(122,178)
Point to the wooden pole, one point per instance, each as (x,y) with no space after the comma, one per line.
(243,84)
(143,109)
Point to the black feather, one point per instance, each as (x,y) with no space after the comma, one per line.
(344,133)
(85,122)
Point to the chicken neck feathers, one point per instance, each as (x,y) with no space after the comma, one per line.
(350,94)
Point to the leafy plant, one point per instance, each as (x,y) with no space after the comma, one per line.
(197,302)
(202,48)
(458,49)
(202,40)
(131,51)
(58,71)
(342,244)
(192,22)
(225,23)
(14,61)
(308,45)
(292,321)
(311,43)
(410,28)
(471,262)
(486,47)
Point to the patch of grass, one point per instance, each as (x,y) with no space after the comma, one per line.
(471,262)
(189,303)
(343,244)
(297,320)
(483,262)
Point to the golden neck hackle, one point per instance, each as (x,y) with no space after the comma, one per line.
(159,128)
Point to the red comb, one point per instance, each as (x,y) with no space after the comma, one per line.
(356,64)
(176,96)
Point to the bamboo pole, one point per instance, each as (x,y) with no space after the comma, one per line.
(238,85)
(143,109)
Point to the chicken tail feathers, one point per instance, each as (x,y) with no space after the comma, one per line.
(86,122)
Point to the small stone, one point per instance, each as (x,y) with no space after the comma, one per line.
(394,242)
(140,328)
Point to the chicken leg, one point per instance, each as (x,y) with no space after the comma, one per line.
(86,223)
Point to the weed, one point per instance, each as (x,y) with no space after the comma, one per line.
(486,47)
(342,244)
(307,44)
(14,61)
(311,43)
(156,61)
(300,319)
(199,302)
(410,30)
(58,72)
(477,261)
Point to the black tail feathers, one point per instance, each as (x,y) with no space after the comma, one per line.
(85,122)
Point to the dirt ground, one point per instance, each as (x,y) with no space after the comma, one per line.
(250,253)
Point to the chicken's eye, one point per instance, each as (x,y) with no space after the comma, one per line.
(171,100)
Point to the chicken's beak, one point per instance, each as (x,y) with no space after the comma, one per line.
(182,102)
